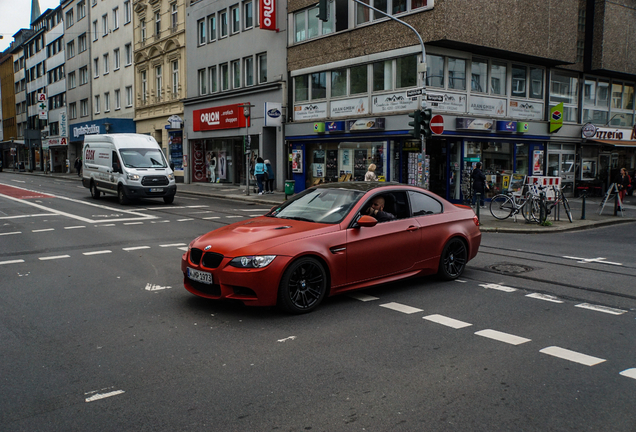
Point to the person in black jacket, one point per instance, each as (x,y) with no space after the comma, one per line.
(479,184)
(376,210)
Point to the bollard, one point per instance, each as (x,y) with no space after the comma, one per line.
(615,204)
(583,205)
(478,205)
(542,215)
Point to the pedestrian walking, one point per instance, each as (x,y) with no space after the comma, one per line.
(479,184)
(269,182)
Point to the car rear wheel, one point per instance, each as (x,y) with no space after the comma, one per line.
(168,199)
(121,196)
(95,193)
(453,260)
(303,286)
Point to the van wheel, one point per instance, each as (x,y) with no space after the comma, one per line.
(94,192)
(121,196)
(168,199)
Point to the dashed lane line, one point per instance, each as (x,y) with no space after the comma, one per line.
(502,337)
(448,322)
(173,245)
(75,227)
(545,297)
(43,230)
(603,309)
(11,262)
(211,217)
(363,297)
(97,252)
(136,248)
(133,223)
(401,308)
(54,257)
(572,356)
(629,373)
(98,396)
(11,233)
(498,287)
(185,220)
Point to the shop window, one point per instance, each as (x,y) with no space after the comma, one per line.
(456,74)
(382,75)
(358,79)
(339,83)
(479,76)
(498,79)
(406,71)
(318,85)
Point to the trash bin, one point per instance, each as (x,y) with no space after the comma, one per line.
(289,187)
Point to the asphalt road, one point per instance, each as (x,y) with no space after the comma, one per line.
(97,332)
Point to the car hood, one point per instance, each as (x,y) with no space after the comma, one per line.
(255,236)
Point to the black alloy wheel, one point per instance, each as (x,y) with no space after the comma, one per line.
(453,260)
(121,196)
(95,193)
(303,286)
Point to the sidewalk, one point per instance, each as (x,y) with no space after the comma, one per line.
(488,222)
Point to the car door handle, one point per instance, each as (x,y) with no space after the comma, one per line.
(412,228)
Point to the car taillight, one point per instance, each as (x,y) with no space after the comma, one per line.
(476,220)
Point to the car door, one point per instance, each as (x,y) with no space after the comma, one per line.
(433,223)
(382,250)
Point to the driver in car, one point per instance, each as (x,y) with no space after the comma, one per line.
(376,210)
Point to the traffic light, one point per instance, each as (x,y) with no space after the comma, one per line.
(323,10)
(416,123)
(425,122)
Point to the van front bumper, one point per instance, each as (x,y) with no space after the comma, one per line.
(150,192)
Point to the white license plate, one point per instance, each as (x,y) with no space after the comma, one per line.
(156,189)
(199,276)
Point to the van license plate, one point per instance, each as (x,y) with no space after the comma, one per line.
(156,189)
(200,276)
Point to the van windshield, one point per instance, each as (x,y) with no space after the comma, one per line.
(143,158)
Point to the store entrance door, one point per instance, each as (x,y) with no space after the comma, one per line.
(436,149)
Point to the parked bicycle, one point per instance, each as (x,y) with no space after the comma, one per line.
(509,204)
(559,198)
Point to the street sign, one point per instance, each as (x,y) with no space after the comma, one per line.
(414,92)
(437,124)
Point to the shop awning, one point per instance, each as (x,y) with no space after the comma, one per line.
(617,143)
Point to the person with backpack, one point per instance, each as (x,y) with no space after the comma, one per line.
(259,173)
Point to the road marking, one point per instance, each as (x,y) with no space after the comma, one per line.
(43,230)
(184,220)
(185,248)
(212,217)
(152,287)
(502,337)
(98,252)
(603,309)
(27,216)
(255,215)
(104,225)
(11,262)
(593,260)
(629,373)
(460,281)
(11,233)
(363,297)
(545,297)
(572,356)
(252,210)
(287,338)
(163,221)
(498,287)
(136,248)
(75,227)
(401,308)
(133,223)
(173,245)
(99,396)
(54,257)
(449,322)
(239,216)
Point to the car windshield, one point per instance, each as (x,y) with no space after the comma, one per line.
(319,205)
(143,158)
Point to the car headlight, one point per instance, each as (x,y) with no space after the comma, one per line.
(171,176)
(132,176)
(252,261)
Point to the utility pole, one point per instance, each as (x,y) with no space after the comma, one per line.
(247,144)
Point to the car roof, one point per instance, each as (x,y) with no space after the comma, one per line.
(358,186)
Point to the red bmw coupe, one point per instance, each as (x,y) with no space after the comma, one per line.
(331,239)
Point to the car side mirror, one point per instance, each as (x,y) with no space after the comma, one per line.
(367,221)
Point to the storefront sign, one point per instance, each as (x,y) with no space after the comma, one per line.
(523,127)
(349,107)
(446,102)
(310,111)
(273,114)
(54,142)
(267,15)
(319,127)
(506,126)
(474,124)
(335,126)
(365,124)
(63,123)
(393,102)
(556,117)
(588,130)
(525,110)
(487,106)
(222,117)
(603,133)
(79,131)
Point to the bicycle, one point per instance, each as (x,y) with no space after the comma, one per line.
(559,198)
(505,205)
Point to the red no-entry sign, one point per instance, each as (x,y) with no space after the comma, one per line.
(437,124)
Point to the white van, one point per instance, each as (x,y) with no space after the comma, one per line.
(127,165)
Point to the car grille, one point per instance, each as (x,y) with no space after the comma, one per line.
(213,290)
(210,259)
(154,181)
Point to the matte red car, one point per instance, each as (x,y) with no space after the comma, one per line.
(322,243)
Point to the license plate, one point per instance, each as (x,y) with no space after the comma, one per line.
(199,276)
(156,189)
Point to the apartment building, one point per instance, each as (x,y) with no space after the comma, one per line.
(496,72)
(237,58)
(159,56)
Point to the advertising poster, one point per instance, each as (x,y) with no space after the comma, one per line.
(537,162)
(221,172)
(198,163)
(331,171)
(297,161)
(175,147)
(359,164)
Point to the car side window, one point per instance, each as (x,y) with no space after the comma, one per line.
(422,204)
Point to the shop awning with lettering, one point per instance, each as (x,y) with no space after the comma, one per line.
(617,143)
